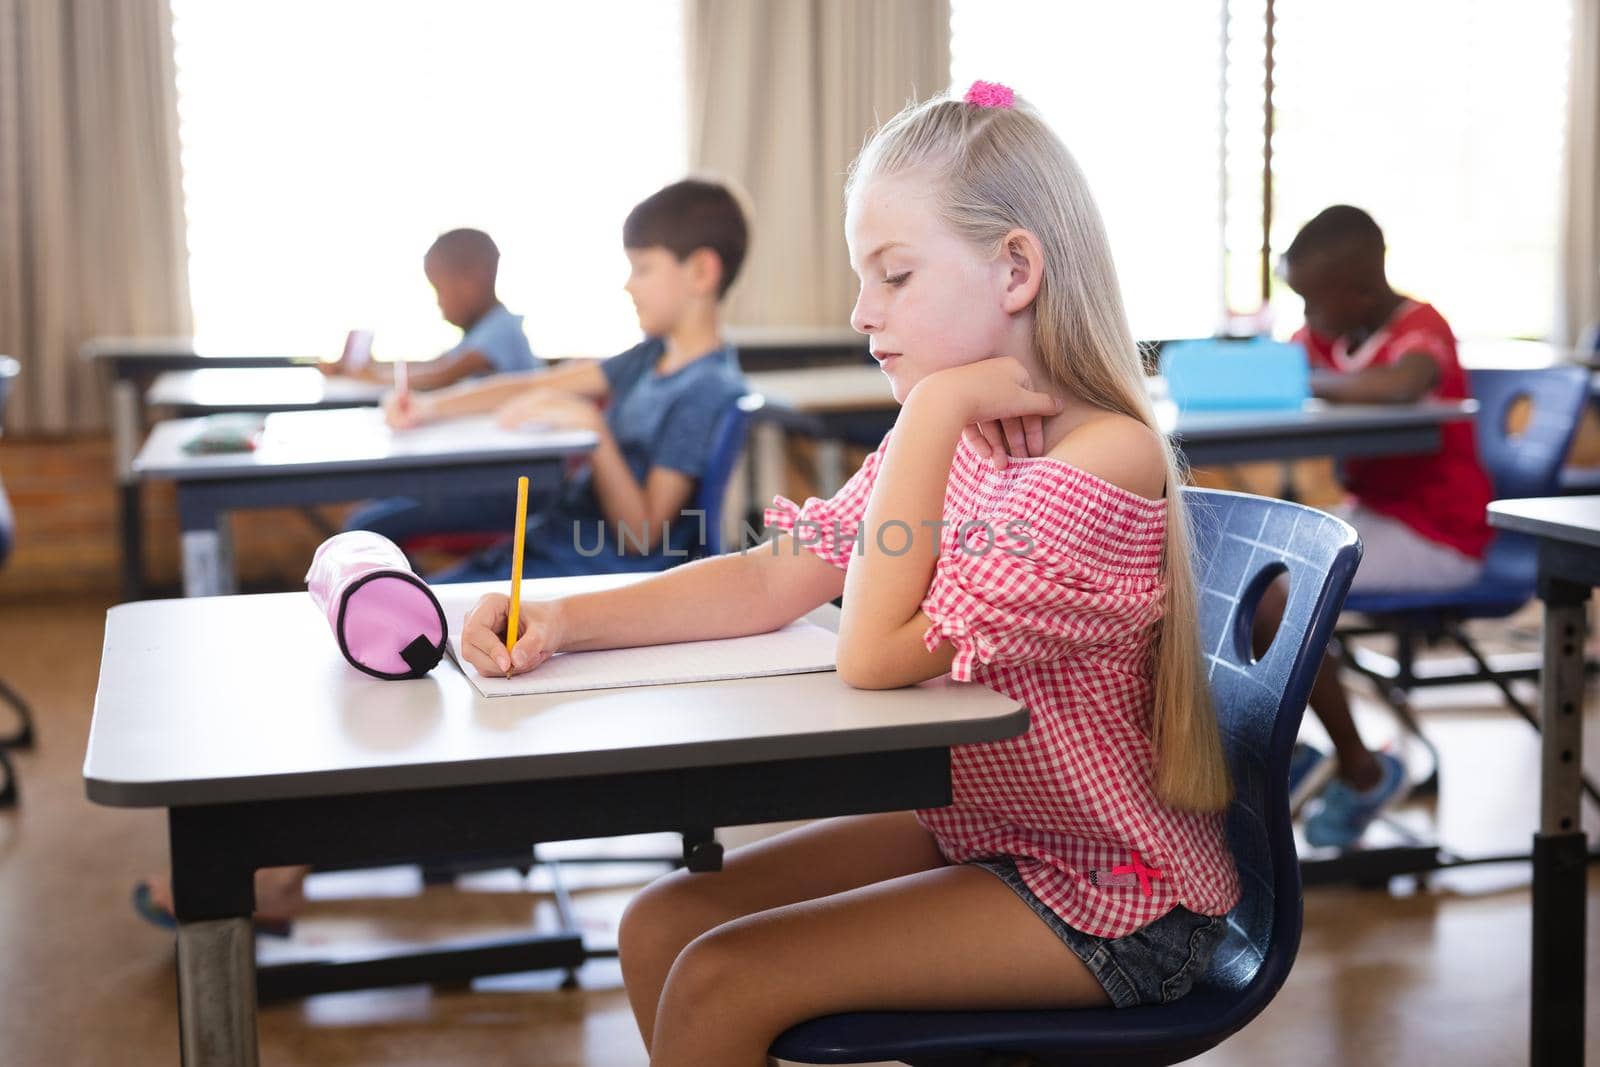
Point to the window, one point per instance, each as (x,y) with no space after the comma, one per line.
(1443,118)
(1134,89)
(324,146)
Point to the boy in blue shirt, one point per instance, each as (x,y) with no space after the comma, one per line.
(462,266)
(627,510)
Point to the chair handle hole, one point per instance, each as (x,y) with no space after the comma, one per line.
(1260,612)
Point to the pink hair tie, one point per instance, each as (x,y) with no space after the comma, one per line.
(991,94)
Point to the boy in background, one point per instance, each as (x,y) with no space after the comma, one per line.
(462,266)
(625,509)
(685,245)
(1422,518)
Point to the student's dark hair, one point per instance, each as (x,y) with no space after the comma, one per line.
(1341,229)
(465,250)
(690,215)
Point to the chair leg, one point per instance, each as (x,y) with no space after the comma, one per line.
(23,736)
(1459,636)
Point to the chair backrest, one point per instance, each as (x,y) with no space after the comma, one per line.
(726,446)
(1528,463)
(1241,544)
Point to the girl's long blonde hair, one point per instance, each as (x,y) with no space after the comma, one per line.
(999,169)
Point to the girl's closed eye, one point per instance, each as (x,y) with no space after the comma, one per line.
(897,280)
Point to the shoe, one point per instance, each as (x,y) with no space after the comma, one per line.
(1309,770)
(1342,814)
(144,903)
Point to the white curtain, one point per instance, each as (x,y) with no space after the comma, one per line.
(781,98)
(1580,232)
(91,202)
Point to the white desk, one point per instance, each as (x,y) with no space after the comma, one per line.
(239,715)
(317,457)
(198,392)
(130,363)
(855,404)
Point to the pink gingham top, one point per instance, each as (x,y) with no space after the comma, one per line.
(1058,614)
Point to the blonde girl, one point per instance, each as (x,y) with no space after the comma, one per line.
(1082,863)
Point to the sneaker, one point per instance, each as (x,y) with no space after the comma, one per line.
(1309,770)
(1342,814)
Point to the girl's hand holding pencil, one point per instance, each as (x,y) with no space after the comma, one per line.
(483,635)
(495,633)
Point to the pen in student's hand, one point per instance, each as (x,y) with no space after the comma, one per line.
(518,536)
(402,385)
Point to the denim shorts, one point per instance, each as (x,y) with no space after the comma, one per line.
(1156,964)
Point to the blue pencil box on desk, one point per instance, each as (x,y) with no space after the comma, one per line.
(1223,375)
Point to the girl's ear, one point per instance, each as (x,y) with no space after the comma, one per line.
(1022,263)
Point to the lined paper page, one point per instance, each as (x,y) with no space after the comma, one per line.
(799,648)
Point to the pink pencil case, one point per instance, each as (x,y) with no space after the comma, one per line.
(387,620)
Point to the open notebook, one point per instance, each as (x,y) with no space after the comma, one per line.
(802,647)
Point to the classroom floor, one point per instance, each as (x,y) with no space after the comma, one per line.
(1405,976)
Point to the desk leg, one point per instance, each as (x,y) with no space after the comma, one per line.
(217,993)
(207,562)
(125,422)
(207,544)
(769,464)
(736,506)
(1560,847)
(213,893)
(830,466)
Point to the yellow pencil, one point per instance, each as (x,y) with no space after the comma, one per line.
(519,535)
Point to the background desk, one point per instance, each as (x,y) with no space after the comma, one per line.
(853,405)
(320,457)
(202,392)
(238,714)
(130,363)
(1568,532)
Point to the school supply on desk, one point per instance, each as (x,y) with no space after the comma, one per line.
(402,384)
(799,648)
(519,540)
(1213,374)
(386,619)
(357,351)
(238,431)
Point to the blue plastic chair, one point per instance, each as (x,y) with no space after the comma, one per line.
(1583,481)
(1526,465)
(1241,544)
(22,736)
(727,446)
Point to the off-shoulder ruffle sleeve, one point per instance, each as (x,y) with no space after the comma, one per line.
(1064,561)
(829,528)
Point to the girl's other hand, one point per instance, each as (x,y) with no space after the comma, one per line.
(999,441)
(483,635)
(1004,414)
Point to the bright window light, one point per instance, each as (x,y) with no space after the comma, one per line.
(1445,120)
(1134,89)
(325,145)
